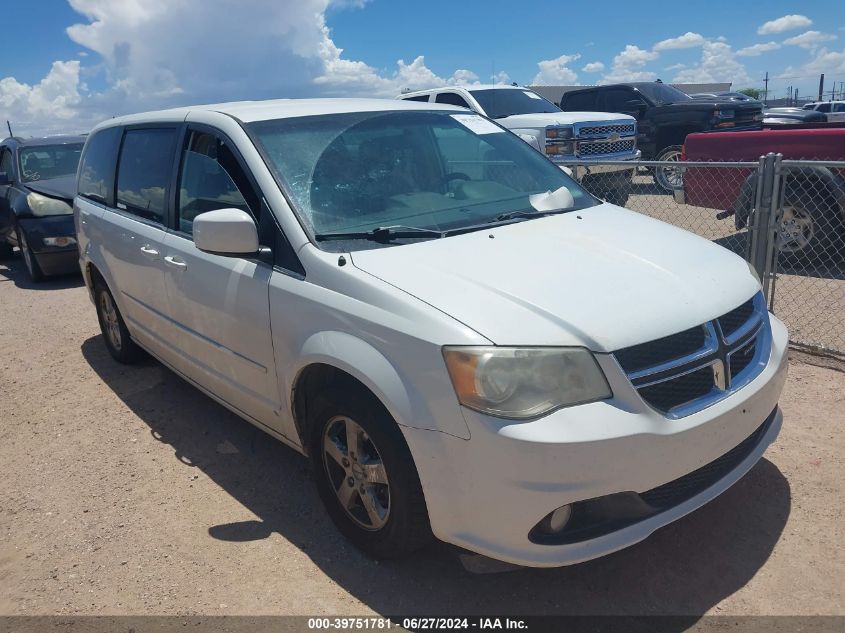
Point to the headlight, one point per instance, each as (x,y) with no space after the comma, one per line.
(561,133)
(524,382)
(44,205)
(724,114)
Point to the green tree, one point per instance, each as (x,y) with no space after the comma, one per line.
(754,93)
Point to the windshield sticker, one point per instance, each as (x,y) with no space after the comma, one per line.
(532,95)
(477,124)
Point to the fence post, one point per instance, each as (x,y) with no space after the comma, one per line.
(764,220)
(769,276)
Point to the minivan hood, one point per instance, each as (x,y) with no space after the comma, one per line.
(604,278)
(543,119)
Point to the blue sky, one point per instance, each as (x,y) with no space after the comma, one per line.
(152,53)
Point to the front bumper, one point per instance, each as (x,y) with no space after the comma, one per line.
(587,167)
(487,493)
(53,260)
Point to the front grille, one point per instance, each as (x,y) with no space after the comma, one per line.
(679,490)
(736,318)
(668,395)
(623,129)
(596,148)
(688,371)
(663,350)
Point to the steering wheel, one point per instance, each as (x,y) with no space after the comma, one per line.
(455,175)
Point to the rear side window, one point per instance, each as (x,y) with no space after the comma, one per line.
(583,101)
(143,172)
(423,98)
(96,168)
(452,99)
(839,107)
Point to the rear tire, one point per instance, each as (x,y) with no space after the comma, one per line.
(669,178)
(365,474)
(115,334)
(29,259)
(812,228)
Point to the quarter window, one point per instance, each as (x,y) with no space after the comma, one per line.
(452,99)
(143,172)
(211,178)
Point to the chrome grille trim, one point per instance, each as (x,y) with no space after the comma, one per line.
(716,352)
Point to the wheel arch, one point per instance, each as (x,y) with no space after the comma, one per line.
(670,135)
(338,358)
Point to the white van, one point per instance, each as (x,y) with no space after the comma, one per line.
(464,342)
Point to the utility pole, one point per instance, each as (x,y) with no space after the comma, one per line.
(766,91)
(821,86)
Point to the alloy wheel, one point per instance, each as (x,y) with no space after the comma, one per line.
(795,231)
(356,473)
(110,320)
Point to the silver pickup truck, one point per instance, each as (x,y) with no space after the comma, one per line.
(570,139)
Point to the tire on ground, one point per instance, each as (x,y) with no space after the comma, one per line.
(407,526)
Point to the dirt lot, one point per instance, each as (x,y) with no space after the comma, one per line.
(126,491)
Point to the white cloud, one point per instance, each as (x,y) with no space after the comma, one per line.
(785,23)
(717,64)
(825,61)
(593,67)
(49,105)
(675,67)
(555,71)
(153,54)
(500,77)
(809,39)
(628,64)
(757,49)
(687,40)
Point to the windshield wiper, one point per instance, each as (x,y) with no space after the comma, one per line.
(381,234)
(526,213)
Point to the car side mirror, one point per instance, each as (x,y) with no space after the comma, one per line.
(4,178)
(635,104)
(226,232)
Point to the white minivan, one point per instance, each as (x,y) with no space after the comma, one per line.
(465,343)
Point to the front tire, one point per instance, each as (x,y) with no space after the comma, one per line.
(32,267)
(669,178)
(366,476)
(115,334)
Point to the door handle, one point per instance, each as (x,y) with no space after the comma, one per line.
(175,262)
(149,252)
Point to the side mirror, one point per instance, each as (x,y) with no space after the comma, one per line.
(4,178)
(226,232)
(635,104)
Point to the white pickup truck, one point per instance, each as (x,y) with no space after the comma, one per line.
(571,139)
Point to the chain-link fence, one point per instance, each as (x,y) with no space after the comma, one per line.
(787,218)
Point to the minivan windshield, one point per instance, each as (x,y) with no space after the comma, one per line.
(428,172)
(42,162)
(499,103)
(661,94)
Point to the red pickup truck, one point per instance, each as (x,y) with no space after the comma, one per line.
(813,223)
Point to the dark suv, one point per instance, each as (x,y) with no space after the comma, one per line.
(665,116)
(37,185)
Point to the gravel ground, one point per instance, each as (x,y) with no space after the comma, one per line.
(126,491)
